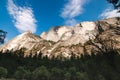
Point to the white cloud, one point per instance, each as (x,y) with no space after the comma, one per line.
(109,13)
(24,19)
(72,9)
(71,22)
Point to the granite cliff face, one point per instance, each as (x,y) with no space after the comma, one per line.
(80,33)
(85,37)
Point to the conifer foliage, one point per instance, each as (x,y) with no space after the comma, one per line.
(102,66)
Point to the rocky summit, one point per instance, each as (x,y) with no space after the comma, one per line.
(83,38)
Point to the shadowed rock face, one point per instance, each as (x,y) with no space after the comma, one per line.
(86,37)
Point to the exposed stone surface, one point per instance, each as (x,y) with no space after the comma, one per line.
(83,38)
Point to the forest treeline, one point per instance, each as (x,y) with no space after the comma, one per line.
(102,66)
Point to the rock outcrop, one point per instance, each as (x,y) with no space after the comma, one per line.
(83,38)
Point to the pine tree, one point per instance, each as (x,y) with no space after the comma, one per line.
(115,3)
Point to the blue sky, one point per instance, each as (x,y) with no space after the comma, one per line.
(18,16)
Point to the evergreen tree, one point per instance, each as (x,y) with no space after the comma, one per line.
(3,72)
(40,73)
(115,3)
(21,73)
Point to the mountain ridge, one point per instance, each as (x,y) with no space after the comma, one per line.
(63,41)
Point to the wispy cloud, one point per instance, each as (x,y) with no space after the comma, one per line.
(72,9)
(71,22)
(24,19)
(109,13)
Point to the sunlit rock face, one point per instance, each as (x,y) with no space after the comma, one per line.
(24,40)
(85,37)
(80,33)
(56,33)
